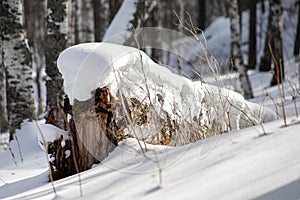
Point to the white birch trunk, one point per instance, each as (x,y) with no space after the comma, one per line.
(18,67)
(237,58)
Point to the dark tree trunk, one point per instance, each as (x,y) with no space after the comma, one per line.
(297,39)
(114,6)
(98,22)
(72,22)
(55,43)
(275,45)
(3,103)
(156,21)
(100,8)
(266,58)
(241,6)
(84,21)
(35,32)
(252,36)
(202,14)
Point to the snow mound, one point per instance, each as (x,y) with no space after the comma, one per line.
(132,73)
(83,65)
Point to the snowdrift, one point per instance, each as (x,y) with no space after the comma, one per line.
(147,100)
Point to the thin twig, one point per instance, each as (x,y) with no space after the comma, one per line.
(12,155)
(275,104)
(47,156)
(278,83)
(72,145)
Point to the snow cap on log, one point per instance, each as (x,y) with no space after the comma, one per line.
(84,66)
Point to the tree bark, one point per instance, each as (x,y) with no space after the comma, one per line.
(3,103)
(100,8)
(297,39)
(237,58)
(55,43)
(202,14)
(114,6)
(156,21)
(266,59)
(17,64)
(72,22)
(252,36)
(275,45)
(34,24)
(84,21)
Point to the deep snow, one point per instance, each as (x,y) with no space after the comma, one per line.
(242,164)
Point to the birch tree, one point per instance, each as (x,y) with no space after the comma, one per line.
(16,60)
(3,111)
(237,58)
(56,40)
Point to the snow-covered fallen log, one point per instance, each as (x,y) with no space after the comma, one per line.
(129,95)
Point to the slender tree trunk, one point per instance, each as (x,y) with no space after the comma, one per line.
(100,18)
(55,43)
(143,12)
(84,21)
(266,59)
(275,45)
(3,103)
(156,21)
(202,14)
(35,32)
(252,36)
(71,22)
(17,64)
(237,58)
(297,39)
(114,6)
(182,20)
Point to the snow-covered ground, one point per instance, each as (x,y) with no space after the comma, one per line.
(242,164)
